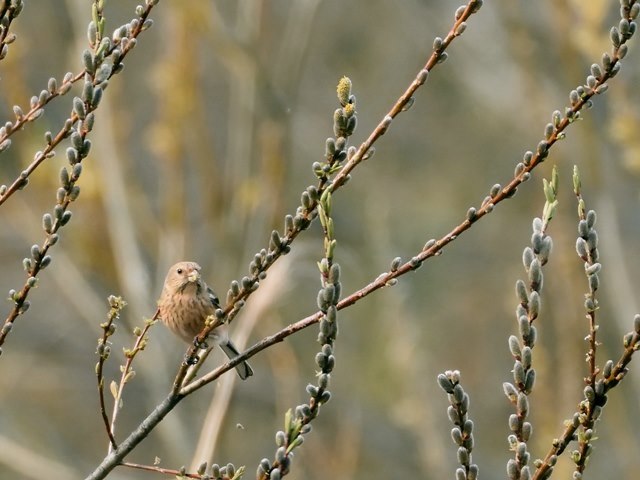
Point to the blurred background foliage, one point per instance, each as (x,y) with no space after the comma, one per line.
(205,141)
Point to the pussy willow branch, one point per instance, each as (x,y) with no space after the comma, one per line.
(432,248)
(568,435)
(20,299)
(399,106)
(192,361)
(125,377)
(114,458)
(591,313)
(36,111)
(117,456)
(165,471)
(63,133)
(193,371)
(177,394)
(9,10)
(103,351)
(406,97)
(619,370)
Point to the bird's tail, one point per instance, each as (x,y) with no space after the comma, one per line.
(243,369)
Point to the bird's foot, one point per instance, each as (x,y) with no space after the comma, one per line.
(191,359)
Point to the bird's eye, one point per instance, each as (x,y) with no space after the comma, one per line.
(179,271)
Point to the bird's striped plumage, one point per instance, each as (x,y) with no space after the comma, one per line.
(186,302)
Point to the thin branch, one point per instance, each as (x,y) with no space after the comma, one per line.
(307,212)
(127,371)
(114,458)
(97,74)
(579,99)
(595,397)
(534,258)
(103,350)
(406,99)
(612,378)
(165,471)
(462,433)
(9,10)
(118,50)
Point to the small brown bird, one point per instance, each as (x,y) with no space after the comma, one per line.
(186,302)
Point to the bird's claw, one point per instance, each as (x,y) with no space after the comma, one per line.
(198,344)
(191,359)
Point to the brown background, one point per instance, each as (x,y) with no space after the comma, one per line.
(206,140)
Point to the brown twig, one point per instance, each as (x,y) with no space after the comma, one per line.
(128,372)
(36,109)
(9,11)
(40,259)
(156,469)
(103,351)
(308,213)
(431,249)
(437,56)
(632,345)
(115,457)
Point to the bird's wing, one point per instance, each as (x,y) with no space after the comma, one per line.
(212,296)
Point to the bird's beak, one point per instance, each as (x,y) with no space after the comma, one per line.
(193,276)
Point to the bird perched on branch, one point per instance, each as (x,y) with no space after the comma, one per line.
(186,302)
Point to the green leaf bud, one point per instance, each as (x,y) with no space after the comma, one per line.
(514,346)
(52,86)
(522,405)
(513,471)
(46,260)
(521,292)
(472,214)
(88,61)
(24,307)
(97,97)
(47,223)
(334,273)
(421,78)
(534,305)
(442,57)
(453,414)
(445,383)
(510,391)
(518,373)
(27,264)
(529,381)
(66,216)
(524,326)
(535,275)
(36,254)
(456,436)
(475,6)
(581,249)
(74,193)
(463,456)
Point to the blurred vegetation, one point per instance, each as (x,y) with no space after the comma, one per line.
(205,141)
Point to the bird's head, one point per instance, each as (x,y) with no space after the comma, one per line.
(182,275)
